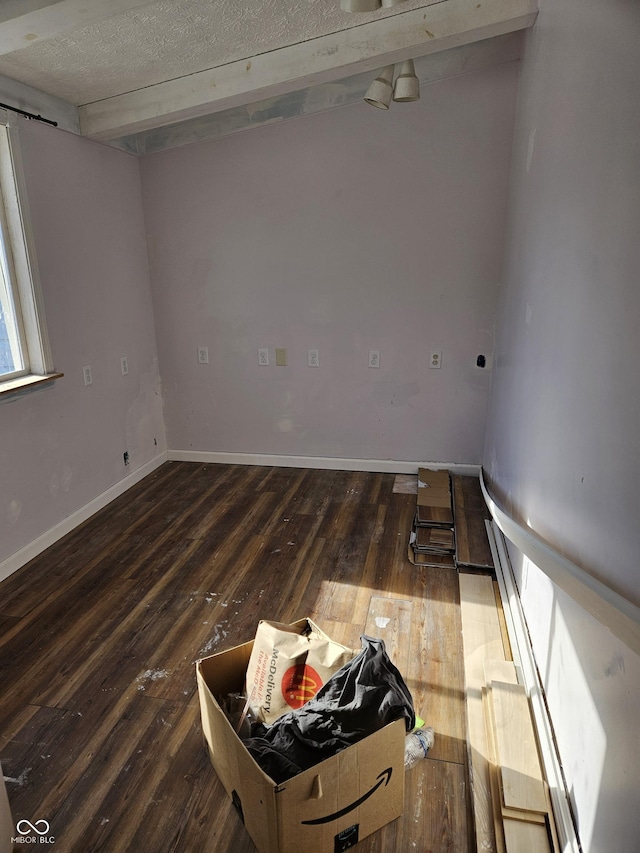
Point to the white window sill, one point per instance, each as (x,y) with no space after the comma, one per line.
(26,383)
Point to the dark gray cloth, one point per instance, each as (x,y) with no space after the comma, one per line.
(360,698)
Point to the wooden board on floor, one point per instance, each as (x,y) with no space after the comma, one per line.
(521,837)
(494,782)
(500,811)
(434,516)
(470,512)
(516,749)
(434,539)
(482,640)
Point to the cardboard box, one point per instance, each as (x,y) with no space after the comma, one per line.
(327,808)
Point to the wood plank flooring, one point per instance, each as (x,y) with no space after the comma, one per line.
(99,720)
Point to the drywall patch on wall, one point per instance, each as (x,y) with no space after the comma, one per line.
(393,391)
(60,481)
(532,140)
(141,429)
(14,510)
(615,666)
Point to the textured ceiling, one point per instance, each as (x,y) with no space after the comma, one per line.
(174,38)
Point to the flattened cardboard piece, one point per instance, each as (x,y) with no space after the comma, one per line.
(434,489)
(353,793)
(434,497)
(433,479)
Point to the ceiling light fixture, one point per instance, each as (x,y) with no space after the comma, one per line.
(405,89)
(380,92)
(407,85)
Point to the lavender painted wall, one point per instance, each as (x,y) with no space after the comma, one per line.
(563,437)
(563,448)
(343,232)
(62,447)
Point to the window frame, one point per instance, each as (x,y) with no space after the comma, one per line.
(23,282)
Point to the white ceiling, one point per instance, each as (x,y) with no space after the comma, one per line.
(132,67)
(167,39)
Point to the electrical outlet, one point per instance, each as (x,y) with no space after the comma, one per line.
(203,355)
(435,359)
(312,358)
(86,374)
(374,358)
(263,357)
(124,365)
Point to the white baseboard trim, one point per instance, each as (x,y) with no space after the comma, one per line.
(525,661)
(49,537)
(333,463)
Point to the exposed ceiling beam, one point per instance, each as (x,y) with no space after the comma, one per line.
(362,48)
(28,22)
(326,96)
(24,97)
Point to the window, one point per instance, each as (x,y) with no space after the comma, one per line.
(25,357)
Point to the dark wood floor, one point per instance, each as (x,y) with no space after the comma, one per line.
(99,720)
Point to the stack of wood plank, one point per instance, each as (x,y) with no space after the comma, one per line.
(522,813)
(470,510)
(512,809)
(432,541)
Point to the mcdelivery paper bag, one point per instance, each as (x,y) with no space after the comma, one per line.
(287,668)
